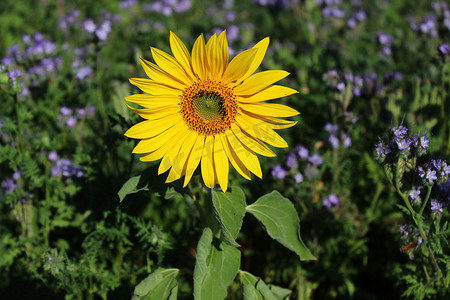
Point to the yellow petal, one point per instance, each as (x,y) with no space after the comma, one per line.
(154,88)
(277,123)
(152,101)
(235,161)
(170,65)
(156,73)
(223,53)
(270,109)
(194,158)
(149,128)
(179,164)
(181,53)
(245,155)
(272,92)
(207,162)
(252,143)
(221,164)
(260,130)
(153,114)
(238,66)
(170,156)
(198,57)
(259,81)
(161,151)
(152,144)
(212,56)
(261,47)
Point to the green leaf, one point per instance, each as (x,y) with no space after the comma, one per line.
(256,289)
(279,217)
(230,210)
(160,284)
(131,187)
(216,266)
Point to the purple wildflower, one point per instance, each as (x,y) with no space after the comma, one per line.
(9,185)
(291,160)
(403,143)
(315,159)
(89,26)
(431,176)
(444,49)
(302,151)
(436,207)
(65,111)
(382,150)
(103,31)
(298,177)
(83,72)
(278,172)
(414,194)
(53,156)
(330,201)
(71,121)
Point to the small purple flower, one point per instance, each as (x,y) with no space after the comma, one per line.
(400,131)
(291,160)
(53,156)
(382,150)
(65,111)
(333,12)
(403,143)
(431,176)
(444,49)
(71,121)
(298,177)
(331,128)
(302,151)
(436,207)
(404,230)
(384,39)
(81,112)
(423,141)
(127,3)
(347,140)
(103,31)
(414,194)
(9,185)
(334,141)
(340,86)
(89,25)
(278,172)
(330,201)
(83,72)
(315,159)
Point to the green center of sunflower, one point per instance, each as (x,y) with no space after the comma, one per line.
(208,106)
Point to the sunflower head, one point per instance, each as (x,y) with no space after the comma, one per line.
(201,109)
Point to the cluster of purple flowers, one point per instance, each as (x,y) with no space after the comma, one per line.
(291,166)
(367,84)
(128,3)
(330,201)
(430,23)
(167,7)
(434,170)
(385,41)
(68,117)
(334,139)
(401,141)
(64,167)
(38,60)
(330,9)
(408,234)
(10,184)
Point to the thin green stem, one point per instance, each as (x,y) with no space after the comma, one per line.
(425,201)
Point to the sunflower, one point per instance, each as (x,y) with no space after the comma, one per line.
(201,109)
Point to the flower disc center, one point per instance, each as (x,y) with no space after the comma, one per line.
(208,106)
